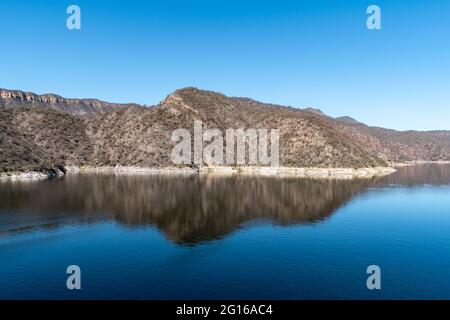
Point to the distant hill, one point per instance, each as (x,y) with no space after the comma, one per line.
(399,146)
(314,110)
(348,120)
(36,131)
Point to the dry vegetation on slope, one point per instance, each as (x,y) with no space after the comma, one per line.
(50,133)
(34,139)
(141,137)
(400,146)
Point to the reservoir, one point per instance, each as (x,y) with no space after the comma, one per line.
(227,237)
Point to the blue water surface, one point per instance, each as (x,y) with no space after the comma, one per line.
(403,227)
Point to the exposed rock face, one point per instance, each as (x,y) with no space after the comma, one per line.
(76,107)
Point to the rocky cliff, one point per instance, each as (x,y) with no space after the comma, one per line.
(77,107)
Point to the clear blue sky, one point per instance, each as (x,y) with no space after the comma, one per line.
(315,53)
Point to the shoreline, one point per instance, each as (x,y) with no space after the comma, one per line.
(416,162)
(294,172)
(320,173)
(315,173)
(21,176)
(306,172)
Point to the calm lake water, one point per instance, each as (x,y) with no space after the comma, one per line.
(160,237)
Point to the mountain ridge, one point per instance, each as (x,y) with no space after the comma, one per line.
(37,131)
(78,107)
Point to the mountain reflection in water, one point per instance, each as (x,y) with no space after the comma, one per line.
(188,209)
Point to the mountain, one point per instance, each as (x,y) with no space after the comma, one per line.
(399,146)
(76,107)
(38,138)
(141,137)
(39,131)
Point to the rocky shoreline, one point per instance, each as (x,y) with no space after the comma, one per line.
(317,173)
(29,175)
(412,163)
